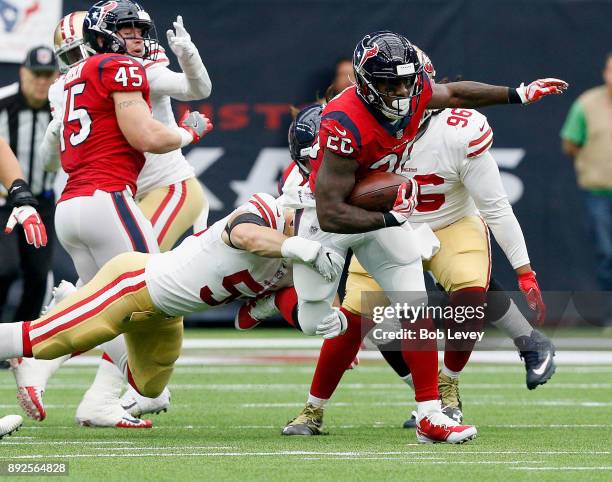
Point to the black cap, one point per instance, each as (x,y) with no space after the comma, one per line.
(40,59)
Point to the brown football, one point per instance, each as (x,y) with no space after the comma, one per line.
(377,191)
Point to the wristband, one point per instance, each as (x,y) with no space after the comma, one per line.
(186,136)
(513,96)
(301,249)
(20,194)
(390,220)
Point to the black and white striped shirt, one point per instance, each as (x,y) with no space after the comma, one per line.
(24,128)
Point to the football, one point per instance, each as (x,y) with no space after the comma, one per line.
(377,192)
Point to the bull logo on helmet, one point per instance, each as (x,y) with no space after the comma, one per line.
(368,53)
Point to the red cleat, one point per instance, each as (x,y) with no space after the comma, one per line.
(438,428)
(253,312)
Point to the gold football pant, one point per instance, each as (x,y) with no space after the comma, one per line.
(173,209)
(115,301)
(463,261)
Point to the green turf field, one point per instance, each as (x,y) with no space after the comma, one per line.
(225,422)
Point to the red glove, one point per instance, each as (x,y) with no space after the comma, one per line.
(529,286)
(540,88)
(196,124)
(404,203)
(33,227)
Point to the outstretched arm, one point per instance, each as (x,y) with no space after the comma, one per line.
(475,94)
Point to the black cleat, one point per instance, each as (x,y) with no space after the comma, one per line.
(411,422)
(538,352)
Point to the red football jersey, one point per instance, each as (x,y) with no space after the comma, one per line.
(94,152)
(352,128)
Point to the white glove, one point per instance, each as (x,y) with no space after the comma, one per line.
(186,52)
(333,325)
(327,263)
(33,227)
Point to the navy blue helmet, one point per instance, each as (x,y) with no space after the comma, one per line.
(388,57)
(106,18)
(303,133)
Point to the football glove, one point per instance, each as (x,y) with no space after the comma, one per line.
(22,200)
(540,88)
(327,263)
(333,325)
(404,204)
(529,286)
(193,126)
(180,42)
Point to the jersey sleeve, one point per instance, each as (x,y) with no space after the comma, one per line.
(478,135)
(265,206)
(340,135)
(56,98)
(122,74)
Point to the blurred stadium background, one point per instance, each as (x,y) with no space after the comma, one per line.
(265,55)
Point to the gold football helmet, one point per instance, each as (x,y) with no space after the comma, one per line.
(70,48)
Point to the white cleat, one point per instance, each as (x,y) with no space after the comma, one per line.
(61,291)
(31,377)
(106,412)
(137,405)
(10,424)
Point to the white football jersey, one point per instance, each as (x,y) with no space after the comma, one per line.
(204,272)
(439,162)
(161,169)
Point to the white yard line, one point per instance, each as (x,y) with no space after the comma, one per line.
(563,468)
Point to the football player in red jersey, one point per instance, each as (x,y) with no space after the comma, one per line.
(107,125)
(371,127)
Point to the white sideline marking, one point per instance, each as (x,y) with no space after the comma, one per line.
(561,403)
(67,442)
(572,357)
(328,455)
(563,468)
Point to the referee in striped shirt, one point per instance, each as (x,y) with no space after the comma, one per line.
(24,115)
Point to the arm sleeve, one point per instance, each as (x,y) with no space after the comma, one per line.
(575,127)
(191,84)
(49,147)
(480,176)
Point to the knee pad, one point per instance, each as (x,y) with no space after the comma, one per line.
(310,286)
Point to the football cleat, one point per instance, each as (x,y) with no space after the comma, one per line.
(538,352)
(61,291)
(449,396)
(253,312)
(137,405)
(10,424)
(106,411)
(31,378)
(436,427)
(411,422)
(308,422)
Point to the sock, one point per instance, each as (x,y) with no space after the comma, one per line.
(421,356)
(408,380)
(286,301)
(336,356)
(457,352)
(513,323)
(450,373)
(109,380)
(15,340)
(316,401)
(115,351)
(427,407)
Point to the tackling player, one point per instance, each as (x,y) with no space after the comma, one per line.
(370,127)
(144,296)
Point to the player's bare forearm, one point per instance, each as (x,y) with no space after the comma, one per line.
(141,130)
(335,181)
(259,240)
(523,269)
(467,94)
(10,170)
